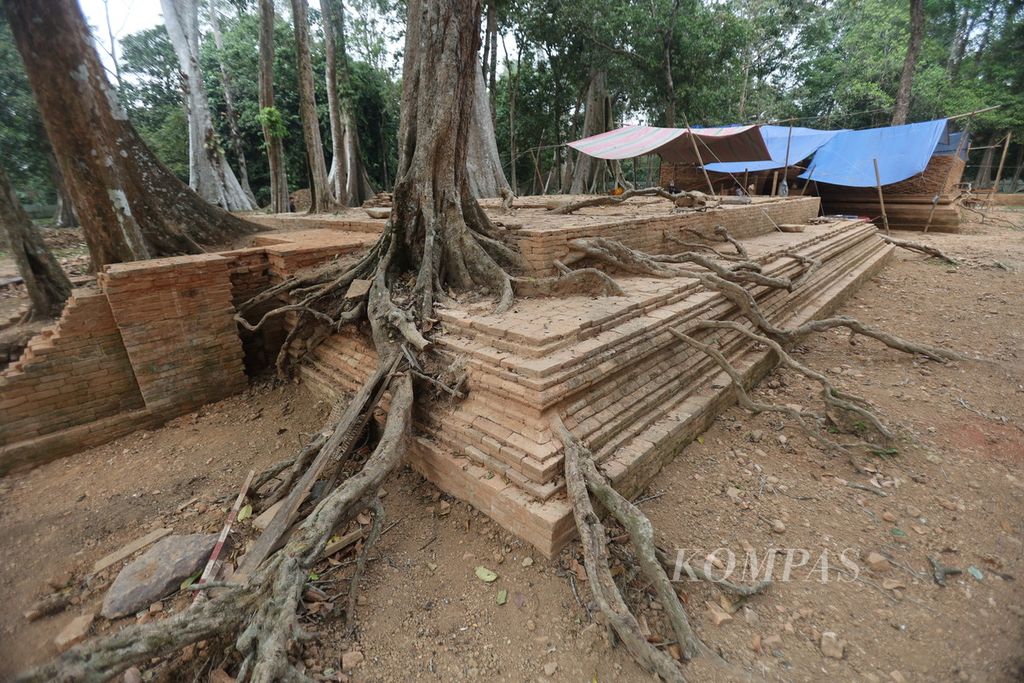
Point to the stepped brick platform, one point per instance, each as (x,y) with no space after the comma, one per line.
(609,366)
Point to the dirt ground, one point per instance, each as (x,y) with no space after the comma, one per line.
(953,490)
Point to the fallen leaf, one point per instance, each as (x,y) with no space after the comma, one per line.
(245,513)
(486,575)
(190,580)
(502,597)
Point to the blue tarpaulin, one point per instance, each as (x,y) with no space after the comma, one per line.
(901,151)
(803,144)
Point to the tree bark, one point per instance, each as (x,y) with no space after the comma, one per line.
(48,286)
(348,177)
(64,217)
(438,224)
(985,169)
(338,176)
(208,171)
(269,116)
(130,205)
(588,170)
(902,108)
(229,105)
(491,58)
(486,176)
(323,200)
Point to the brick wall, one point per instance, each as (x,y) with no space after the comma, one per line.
(73,373)
(176,320)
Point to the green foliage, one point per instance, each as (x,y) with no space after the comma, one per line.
(23,144)
(270,117)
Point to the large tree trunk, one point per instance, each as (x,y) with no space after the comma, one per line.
(48,286)
(348,178)
(338,176)
(491,57)
(270,118)
(439,226)
(130,205)
(486,177)
(323,200)
(229,105)
(64,216)
(596,119)
(208,171)
(902,108)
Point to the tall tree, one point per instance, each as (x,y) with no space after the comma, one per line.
(347,177)
(48,286)
(588,171)
(209,173)
(323,199)
(130,206)
(270,117)
(486,176)
(902,108)
(229,103)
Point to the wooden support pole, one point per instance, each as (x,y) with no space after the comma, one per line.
(881,199)
(693,141)
(1002,162)
(810,174)
(775,182)
(746,188)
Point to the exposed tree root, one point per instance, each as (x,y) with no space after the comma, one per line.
(918,246)
(832,397)
(262,611)
(696,573)
(806,420)
(681,200)
(595,559)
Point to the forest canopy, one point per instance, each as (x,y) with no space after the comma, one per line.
(826,64)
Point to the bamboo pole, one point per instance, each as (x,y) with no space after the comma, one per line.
(746,190)
(972,113)
(881,199)
(775,182)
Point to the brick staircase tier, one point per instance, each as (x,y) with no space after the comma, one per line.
(609,366)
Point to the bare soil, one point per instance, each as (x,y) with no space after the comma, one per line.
(953,490)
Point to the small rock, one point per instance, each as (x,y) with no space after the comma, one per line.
(948,504)
(550,668)
(351,660)
(527,561)
(59,580)
(75,632)
(877,562)
(771,641)
(156,608)
(531,626)
(897,677)
(783,440)
(734,494)
(913,511)
(888,516)
(750,616)
(777,526)
(831,646)
(756,435)
(718,616)
(157,573)
(132,675)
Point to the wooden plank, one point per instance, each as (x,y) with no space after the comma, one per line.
(130,549)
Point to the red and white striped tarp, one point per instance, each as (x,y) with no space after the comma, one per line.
(735,143)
